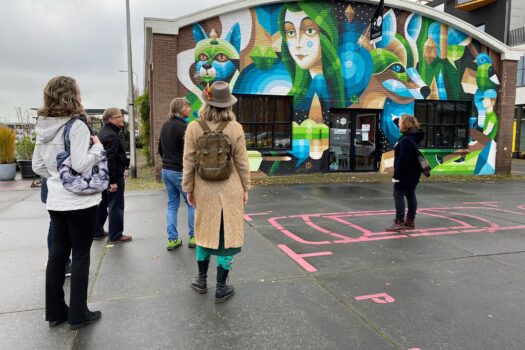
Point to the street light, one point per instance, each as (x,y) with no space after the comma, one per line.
(136,89)
(131,100)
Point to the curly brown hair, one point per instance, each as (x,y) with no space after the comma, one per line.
(408,122)
(61,98)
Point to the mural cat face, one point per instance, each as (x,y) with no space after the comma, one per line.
(84,183)
(216,58)
(302,37)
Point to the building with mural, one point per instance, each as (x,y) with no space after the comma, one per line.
(315,95)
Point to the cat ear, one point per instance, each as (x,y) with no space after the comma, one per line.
(199,33)
(234,37)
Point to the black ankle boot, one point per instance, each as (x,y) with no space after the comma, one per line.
(199,282)
(223,290)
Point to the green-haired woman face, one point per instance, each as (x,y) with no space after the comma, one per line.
(302,38)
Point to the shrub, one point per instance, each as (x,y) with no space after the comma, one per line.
(7,145)
(25,147)
(142,103)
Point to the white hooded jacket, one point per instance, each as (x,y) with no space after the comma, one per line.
(50,142)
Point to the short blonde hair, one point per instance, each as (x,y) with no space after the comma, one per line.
(61,98)
(177,106)
(216,114)
(408,122)
(109,113)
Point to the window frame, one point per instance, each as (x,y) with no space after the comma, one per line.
(270,125)
(439,117)
(520,78)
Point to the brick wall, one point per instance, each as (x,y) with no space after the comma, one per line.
(505,111)
(163,87)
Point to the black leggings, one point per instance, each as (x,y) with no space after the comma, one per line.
(70,231)
(399,200)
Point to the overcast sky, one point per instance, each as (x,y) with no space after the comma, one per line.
(85,39)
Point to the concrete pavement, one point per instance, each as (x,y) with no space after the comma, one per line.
(317,271)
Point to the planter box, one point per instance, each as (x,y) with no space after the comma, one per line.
(26,169)
(7,171)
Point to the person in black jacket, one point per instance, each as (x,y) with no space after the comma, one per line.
(171,148)
(113,197)
(407,172)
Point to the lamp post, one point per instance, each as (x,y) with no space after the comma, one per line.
(131,100)
(136,88)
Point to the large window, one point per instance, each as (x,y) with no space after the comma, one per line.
(445,123)
(521,72)
(267,120)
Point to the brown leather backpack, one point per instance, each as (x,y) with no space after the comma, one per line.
(213,159)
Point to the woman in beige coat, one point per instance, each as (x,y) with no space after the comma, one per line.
(219,205)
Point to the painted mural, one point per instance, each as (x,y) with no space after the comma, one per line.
(319,53)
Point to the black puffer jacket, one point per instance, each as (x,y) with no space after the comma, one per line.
(115,151)
(406,165)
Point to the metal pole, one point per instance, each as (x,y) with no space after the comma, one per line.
(131,101)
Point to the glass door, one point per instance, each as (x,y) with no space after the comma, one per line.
(353,140)
(340,134)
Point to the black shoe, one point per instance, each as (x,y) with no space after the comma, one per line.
(223,291)
(53,324)
(95,316)
(199,282)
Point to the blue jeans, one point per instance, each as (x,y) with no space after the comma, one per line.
(173,181)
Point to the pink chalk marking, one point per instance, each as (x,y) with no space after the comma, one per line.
(489,204)
(273,222)
(462,223)
(306,219)
(248,217)
(414,349)
(381,298)
(299,258)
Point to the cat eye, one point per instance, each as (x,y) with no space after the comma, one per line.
(397,68)
(72,172)
(203,57)
(94,170)
(221,57)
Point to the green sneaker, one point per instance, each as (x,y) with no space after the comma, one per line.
(173,244)
(191,243)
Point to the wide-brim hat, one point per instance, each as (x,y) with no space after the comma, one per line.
(219,95)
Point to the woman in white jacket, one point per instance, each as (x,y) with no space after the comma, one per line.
(73,217)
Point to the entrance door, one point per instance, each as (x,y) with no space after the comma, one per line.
(353,140)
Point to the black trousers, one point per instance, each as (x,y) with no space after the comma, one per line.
(70,231)
(399,199)
(114,201)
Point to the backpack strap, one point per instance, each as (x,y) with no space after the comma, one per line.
(204,125)
(222,125)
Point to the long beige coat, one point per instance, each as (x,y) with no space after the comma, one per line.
(213,196)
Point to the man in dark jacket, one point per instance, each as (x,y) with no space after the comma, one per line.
(407,172)
(113,197)
(171,149)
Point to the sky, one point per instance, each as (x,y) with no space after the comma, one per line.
(84,39)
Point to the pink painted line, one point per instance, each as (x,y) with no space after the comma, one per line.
(273,222)
(462,223)
(319,228)
(380,298)
(248,217)
(491,204)
(414,349)
(299,258)
(348,223)
(315,215)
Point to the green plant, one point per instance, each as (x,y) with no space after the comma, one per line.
(142,103)
(25,147)
(7,145)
